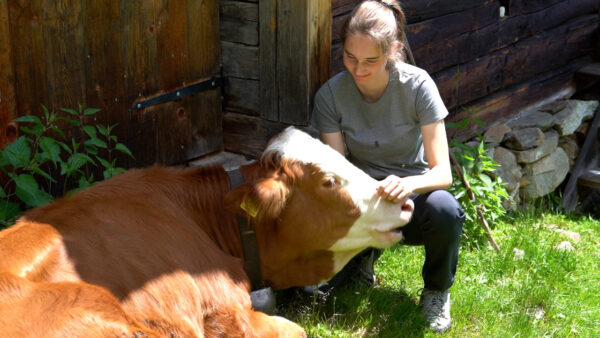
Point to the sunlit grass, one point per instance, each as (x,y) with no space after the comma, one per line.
(529,289)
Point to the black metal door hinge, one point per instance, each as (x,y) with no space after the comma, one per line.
(180,93)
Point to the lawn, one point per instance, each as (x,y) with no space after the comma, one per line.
(530,289)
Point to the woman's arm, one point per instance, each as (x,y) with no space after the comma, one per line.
(439,175)
(335,141)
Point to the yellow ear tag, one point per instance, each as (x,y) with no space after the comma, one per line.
(249,208)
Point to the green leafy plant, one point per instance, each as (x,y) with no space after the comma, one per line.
(478,170)
(28,162)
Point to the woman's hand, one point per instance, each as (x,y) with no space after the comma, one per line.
(395,189)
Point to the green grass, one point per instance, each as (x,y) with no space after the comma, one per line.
(546,293)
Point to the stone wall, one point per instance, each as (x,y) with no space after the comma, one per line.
(537,149)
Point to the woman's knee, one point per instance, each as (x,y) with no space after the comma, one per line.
(445,212)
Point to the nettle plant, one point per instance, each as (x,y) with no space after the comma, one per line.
(478,169)
(43,148)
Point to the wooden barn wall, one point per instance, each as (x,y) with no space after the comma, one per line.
(489,67)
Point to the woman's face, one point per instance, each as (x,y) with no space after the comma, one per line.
(364,60)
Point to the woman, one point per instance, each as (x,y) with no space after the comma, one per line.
(388,118)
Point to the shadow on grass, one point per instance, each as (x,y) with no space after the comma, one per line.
(354,311)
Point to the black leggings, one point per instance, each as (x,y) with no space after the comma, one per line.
(437,224)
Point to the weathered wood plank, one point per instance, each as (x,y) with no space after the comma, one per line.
(64,40)
(303,55)
(517,62)
(104,87)
(8,104)
(502,105)
(205,55)
(436,55)
(442,27)
(320,48)
(451,25)
(268,87)
(242,96)
(240,61)
(237,127)
(517,7)
(245,32)
(292,60)
(139,50)
(172,118)
(241,11)
(419,10)
(339,7)
(206,125)
(29,54)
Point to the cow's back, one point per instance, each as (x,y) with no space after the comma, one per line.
(127,231)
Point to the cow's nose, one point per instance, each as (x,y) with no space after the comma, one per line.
(408,206)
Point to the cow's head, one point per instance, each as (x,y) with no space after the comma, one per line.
(314,211)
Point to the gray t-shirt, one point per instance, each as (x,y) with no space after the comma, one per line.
(382,137)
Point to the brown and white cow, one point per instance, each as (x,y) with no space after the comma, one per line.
(157,251)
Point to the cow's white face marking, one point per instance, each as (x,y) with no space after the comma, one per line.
(378,217)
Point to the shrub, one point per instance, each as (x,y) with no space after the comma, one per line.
(42,148)
(478,170)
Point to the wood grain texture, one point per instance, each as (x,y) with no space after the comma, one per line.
(8,104)
(268,86)
(518,62)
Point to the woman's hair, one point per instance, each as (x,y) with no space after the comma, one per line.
(383,21)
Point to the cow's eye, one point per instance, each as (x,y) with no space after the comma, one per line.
(330,182)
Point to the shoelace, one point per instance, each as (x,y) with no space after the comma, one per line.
(434,305)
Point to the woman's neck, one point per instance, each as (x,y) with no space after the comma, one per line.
(373,91)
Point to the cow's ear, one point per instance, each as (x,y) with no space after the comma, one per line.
(264,199)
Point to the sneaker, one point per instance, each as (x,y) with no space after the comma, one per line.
(436,309)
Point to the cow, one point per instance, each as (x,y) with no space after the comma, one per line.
(158,251)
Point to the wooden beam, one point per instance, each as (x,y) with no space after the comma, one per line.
(268,90)
(442,52)
(523,60)
(502,105)
(295,56)
(237,127)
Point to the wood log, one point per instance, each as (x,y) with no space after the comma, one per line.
(237,127)
(501,106)
(437,55)
(242,96)
(239,60)
(451,25)
(237,10)
(518,7)
(244,32)
(339,7)
(456,21)
(525,59)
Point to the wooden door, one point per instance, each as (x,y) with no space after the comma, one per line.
(111,55)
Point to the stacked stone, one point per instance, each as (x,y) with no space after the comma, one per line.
(537,150)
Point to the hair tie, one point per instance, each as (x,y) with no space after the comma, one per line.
(385,4)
